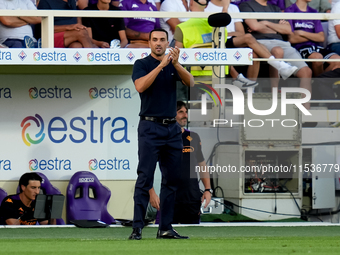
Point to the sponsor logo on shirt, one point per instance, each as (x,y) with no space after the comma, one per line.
(135,6)
(188,149)
(309,25)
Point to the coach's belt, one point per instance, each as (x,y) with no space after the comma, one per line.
(159,120)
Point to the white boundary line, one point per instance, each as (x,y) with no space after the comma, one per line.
(208,224)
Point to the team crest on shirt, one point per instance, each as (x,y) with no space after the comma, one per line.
(150,8)
(21,210)
(9,200)
(189,138)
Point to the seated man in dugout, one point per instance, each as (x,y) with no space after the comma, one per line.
(19,209)
(306,37)
(138,29)
(68,31)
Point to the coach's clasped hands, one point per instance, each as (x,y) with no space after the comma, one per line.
(173,56)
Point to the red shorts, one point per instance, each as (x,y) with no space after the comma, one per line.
(59,40)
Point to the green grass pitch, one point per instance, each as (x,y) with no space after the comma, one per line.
(203,240)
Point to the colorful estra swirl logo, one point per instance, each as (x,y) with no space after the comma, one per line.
(250,56)
(93,93)
(36,56)
(205,87)
(26,122)
(33,93)
(144,54)
(93,164)
(198,56)
(33,164)
(90,56)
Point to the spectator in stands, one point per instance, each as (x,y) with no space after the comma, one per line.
(105,29)
(137,29)
(18,209)
(82,4)
(236,38)
(16,32)
(306,36)
(319,5)
(68,31)
(280,3)
(268,33)
(334,30)
(169,24)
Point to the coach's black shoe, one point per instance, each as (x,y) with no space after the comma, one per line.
(136,234)
(170,234)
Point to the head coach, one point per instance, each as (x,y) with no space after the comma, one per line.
(159,135)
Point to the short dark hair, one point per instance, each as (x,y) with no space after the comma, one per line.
(180,104)
(25,178)
(159,30)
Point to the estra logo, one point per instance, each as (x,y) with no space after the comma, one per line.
(93,164)
(109,164)
(103,57)
(5,164)
(76,129)
(93,93)
(5,93)
(26,123)
(211,56)
(5,55)
(55,92)
(115,92)
(49,164)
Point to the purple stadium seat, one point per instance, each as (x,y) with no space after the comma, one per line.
(48,189)
(3,194)
(87,198)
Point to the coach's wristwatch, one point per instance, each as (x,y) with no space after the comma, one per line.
(210,190)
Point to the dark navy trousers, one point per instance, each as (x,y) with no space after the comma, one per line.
(163,143)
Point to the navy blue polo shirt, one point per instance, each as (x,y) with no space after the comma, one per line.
(59,5)
(159,100)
